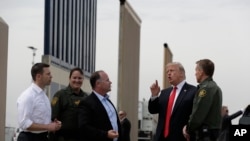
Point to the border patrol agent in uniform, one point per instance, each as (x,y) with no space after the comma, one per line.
(205,120)
(65,108)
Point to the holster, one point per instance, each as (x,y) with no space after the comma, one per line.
(207,134)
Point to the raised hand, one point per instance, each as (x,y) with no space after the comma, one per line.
(155,89)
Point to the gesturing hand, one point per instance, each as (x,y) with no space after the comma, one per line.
(155,89)
(54,126)
(185,134)
(112,134)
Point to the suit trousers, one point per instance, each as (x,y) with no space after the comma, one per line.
(28,136)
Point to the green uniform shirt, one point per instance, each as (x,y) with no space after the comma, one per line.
(206,107)
(65,108)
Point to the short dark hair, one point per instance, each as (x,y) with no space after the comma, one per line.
(94,77)
(75,69)
(207,66)
(37,69)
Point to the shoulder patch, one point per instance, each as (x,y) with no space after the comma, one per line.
(202,93)
(54,101)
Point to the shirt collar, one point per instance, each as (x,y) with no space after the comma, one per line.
(180,85)
(69,88)
(100,97)
(36,88)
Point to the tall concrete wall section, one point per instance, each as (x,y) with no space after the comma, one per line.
(4,29)
(167,58)
(128,65)
(60,74)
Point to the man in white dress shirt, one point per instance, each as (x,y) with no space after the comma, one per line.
(34,109)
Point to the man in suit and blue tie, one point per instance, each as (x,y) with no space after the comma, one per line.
(98,119)
(174,104)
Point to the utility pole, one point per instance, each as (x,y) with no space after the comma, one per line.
(34,53)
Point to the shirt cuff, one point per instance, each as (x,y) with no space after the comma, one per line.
(153,98)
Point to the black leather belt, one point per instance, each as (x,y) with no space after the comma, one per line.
(35,134)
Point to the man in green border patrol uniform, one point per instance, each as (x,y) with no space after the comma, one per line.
(205,120)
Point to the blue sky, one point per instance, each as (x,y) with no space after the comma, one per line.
(194,29)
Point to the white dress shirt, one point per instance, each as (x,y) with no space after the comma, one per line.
(33,106)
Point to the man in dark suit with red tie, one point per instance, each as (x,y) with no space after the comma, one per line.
(98,119)
(174,104)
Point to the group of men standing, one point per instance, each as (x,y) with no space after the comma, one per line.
(72,115)
(186,112)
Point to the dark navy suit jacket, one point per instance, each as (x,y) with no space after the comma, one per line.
(126,127)
(94,121)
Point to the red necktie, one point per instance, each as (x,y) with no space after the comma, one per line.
(169,111)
